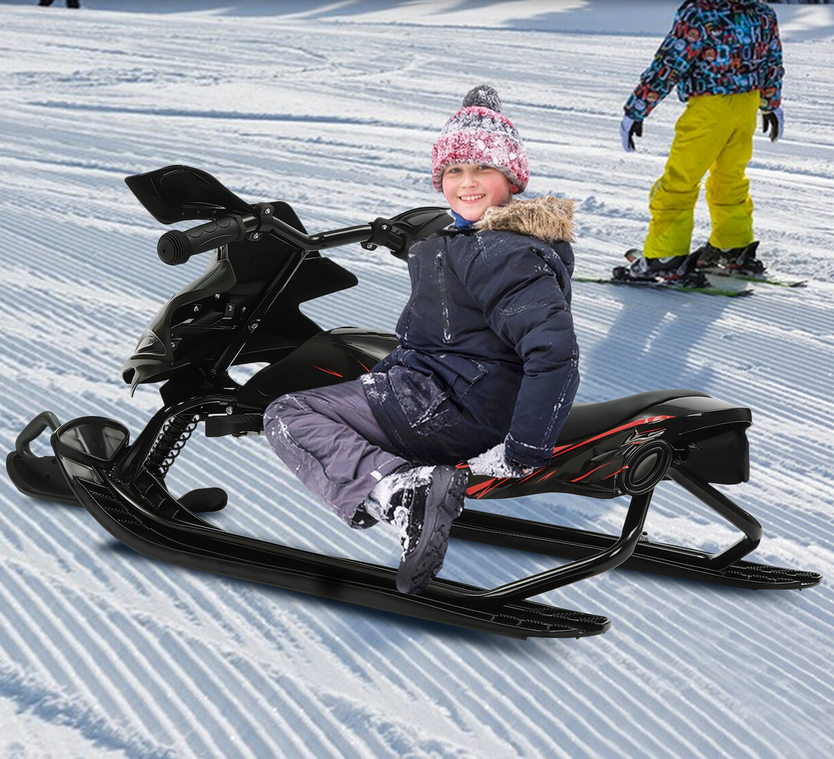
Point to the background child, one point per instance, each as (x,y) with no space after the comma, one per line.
(487,356)
(726,59)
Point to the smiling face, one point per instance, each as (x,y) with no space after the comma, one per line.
(471,188)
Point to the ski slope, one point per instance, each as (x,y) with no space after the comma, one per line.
(333,107)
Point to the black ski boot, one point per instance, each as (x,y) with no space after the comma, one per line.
(744,261)
(732,260)
(710,257)
(676,270)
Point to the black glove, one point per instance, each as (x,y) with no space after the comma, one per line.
(775,122)
(629,129)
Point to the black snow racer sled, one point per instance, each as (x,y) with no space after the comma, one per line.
(245,309)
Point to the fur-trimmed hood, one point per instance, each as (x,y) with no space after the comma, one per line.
(548,219)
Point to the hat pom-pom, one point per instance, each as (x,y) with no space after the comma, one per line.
(483,96)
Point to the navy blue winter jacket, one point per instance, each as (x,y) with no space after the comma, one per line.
(487,345)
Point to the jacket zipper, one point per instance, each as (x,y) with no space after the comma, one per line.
(444,299)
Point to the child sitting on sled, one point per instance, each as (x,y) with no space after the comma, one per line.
(487,362)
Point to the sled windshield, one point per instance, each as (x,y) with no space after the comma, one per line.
(182,193)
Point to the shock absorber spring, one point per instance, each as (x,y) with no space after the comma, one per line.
(170,443)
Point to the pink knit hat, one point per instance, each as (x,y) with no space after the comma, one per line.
(479,133)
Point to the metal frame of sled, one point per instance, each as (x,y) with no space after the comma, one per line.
(109,477)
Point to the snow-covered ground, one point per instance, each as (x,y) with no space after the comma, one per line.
(333,106)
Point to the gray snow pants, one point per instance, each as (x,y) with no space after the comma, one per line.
(330,439)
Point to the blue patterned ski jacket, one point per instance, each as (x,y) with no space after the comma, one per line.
(716,47)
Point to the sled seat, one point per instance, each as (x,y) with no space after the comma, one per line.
(588,419)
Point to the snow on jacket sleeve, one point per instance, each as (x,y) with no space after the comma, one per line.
(525,304)
(672,61)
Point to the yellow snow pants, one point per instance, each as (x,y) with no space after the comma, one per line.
(715,134)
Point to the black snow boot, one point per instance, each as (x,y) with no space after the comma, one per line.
(421,502)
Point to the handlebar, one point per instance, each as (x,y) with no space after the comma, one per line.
(176,247)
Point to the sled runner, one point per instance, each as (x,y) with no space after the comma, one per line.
(245,309)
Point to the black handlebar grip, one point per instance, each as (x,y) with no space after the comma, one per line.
(176,247)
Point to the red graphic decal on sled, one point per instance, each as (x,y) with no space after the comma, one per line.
(328,371)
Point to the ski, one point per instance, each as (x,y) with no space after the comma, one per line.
(146,518)
(648,556)
(761,279)
(729,275)
(651,284)
(724,568)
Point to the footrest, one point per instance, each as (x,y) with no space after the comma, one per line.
(234,424)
